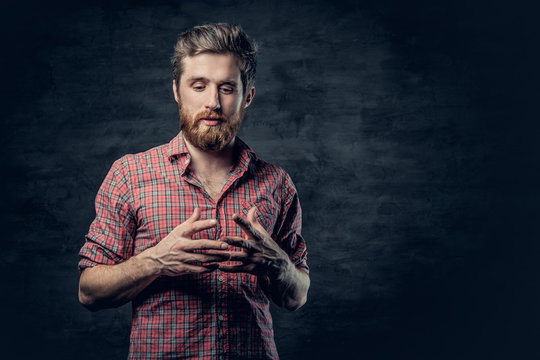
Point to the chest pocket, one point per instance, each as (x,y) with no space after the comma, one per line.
(267,211)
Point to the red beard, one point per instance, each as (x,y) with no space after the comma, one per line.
(209,138)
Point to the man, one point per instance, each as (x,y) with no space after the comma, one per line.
(199,233)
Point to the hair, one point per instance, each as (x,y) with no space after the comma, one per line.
(219,38)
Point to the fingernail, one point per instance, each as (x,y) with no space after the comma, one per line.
(213,221)
(224,246)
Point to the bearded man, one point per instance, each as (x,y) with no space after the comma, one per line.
(199,233)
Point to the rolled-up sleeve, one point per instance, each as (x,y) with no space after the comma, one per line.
(110,238)
(289,235)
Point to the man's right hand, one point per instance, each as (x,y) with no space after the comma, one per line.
(178,254)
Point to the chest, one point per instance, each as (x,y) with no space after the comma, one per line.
(161,205)
(213,184)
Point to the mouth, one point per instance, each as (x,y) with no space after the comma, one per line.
(211,121)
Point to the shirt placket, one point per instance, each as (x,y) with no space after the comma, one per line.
(223,317)
(220,281)
(223,278)
(218,278)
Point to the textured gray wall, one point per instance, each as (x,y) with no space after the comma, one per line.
(406,127)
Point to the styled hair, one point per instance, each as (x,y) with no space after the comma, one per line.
(219,38)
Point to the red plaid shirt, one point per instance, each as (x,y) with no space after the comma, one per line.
(216,315)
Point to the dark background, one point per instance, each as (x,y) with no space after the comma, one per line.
(407,126)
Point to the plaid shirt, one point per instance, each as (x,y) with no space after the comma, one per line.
(215,315)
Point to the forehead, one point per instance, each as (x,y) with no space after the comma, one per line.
(213,67)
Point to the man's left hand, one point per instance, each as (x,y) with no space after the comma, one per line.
(260,254)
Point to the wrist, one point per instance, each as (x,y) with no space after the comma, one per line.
(281,270)
(147,264)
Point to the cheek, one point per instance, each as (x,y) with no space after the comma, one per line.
(189,99)
(234,106)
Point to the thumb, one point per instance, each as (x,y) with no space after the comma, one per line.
(254,220)
(252,216)
(195,216)
(184,228)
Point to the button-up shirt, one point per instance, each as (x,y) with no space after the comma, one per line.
(215,315)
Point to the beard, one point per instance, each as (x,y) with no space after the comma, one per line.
(210,138)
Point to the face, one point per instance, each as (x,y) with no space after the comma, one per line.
(211,101)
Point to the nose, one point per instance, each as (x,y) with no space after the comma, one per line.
(212,101)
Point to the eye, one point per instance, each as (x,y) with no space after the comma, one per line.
(198,87)
(226,90)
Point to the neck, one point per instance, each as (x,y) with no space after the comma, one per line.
(208,162)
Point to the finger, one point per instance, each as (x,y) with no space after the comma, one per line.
(200,225)
(218,252)
(198,259)
(232,238)
(195,216)
(238,242)
(232,255)
(238,256)
(183,228)
(237,268)
(248,228)
(253,219)
(202,244)
(198,269)
(251,216)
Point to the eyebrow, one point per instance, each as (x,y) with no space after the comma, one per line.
(195,79)
(205,80)
(229,82)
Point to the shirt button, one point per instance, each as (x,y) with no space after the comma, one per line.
(220,317)
(220,278)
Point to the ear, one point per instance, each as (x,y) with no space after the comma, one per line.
(175,92)
(249,97)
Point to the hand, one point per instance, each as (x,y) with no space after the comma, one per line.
(176,254)
(260,254)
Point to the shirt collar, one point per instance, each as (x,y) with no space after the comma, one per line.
(246,156)
(177,147)
(179,151)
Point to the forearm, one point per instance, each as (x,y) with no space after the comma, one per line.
(176,254)
(105,286)
(289,289)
